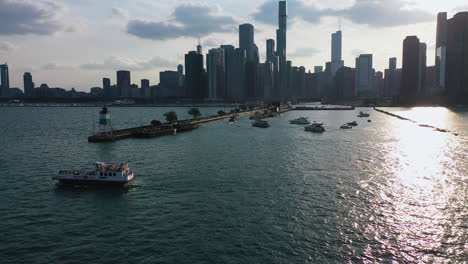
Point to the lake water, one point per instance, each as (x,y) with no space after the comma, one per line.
(384,192)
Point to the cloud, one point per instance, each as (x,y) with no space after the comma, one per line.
(375,13)
(56,67)
(187,20)
(357,52)
(211,42)
(297,9)
(40,17)
(120,13)
(6,47)
(304,52)
(385,13)
(461,9)
(119,63)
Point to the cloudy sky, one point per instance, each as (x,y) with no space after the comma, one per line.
(74,43)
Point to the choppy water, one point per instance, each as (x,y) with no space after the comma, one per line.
(385,192)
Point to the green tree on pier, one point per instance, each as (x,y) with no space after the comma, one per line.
(221,112)
(171,116)
(195,112)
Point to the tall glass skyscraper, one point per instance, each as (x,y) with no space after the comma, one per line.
(5,81)
(336,59)
(281,48)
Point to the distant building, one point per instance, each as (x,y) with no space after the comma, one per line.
(379,84)
(106,86)
(391,80)
(168,83)
(145,88)
(194,75)
(229,57)
(265,80)
(281,41)
(96,91)
(124,84)
(5,81)
(318,69)
(364,75)
(135,91)
(216,73)
(270,50)
(344,82)
(246,37)
(456,81)
(422,91)
(410,79)
(181,78)
(28,84)
(336,59)
(441,50)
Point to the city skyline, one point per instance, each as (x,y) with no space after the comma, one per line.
(73,69)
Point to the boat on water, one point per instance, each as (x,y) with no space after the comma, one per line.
(233,119)
(363,114)
(260,123)
(185,127)
(104,174)
(346,126)
(300,121)
(315,127)
(354,123)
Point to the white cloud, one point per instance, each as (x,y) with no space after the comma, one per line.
(32,17)
(6,47)
(187,20)
(120,63)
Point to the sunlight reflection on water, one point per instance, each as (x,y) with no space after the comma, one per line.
(423,180)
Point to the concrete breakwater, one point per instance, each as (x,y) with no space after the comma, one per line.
(323,108)
(412,121)
(166,128)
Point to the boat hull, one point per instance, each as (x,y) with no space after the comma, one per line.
(74,182)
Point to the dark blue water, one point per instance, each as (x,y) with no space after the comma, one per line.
(385,192)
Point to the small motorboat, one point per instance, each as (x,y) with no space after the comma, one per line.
(363,114)
(354,123)
(315,127)
(232,119)
(260,123)
(346,126)
(300,121)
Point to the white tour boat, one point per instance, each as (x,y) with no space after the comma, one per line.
(315,127)
(104,174)
(363,114)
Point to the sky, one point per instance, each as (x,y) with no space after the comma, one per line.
(75,43)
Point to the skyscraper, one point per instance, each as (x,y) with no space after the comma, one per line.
(106,86)
(199,48)
(281,48)
(124,84)
(336,60)
(441,49)
(28,84)
(5,81)
(194,84)
(364,75)
(410,72)
(145,88)
(457,58)
(391,84)
(270,50)
(246,36)
(216,73)
(422,69)
(229,57)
